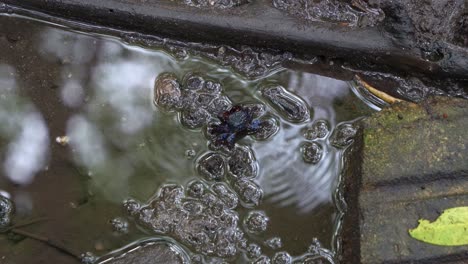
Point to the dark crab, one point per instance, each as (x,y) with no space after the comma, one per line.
(235,124)
(240,121)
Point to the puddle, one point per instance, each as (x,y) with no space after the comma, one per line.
(81,134)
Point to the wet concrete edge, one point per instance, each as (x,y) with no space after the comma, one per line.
(351,242)
(256,24)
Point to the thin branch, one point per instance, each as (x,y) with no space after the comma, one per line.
(34,221)
(15,229)
(47,241)
(382,95)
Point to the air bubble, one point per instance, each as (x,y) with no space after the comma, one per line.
(316,259)
(230,219)
(119,225)
(194,118)
(88,258)
(225,248)
(228,197)
(193,82)
(312,152)
(167,94)
(172,193)
(256,222)
(146,214)
(190,154)
(253,251)
(189,100)
(219,105)
(179,53)
(282,258)
(252,63)
(196,259)
(290,106)
(131,206)
(225,150)
(200,222)
(242,243)
(262,260)
(193,207)
(209,199)
(268,128)
(343,135)
(204,100)
(211,167)
(319,129)
(274,243)
(212,87)
(315,247)
(248,191)
(196,189)
(6,211)
(217,209)
(242,163)
(256,110)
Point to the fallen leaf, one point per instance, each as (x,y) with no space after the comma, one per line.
(450,229)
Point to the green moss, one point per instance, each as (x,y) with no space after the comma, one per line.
(409,139)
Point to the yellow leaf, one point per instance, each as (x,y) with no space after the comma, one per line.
(450,229)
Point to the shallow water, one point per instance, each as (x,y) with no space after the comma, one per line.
(80,134)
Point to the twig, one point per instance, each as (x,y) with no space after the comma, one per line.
(384,96)
(34,221)
(47,241)
(15,229)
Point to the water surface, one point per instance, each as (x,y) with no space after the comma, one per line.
(97,92)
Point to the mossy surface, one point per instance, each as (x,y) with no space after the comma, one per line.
(410,141)
(409,162)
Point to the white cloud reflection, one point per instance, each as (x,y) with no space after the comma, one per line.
(319,92)
(287,180)
(126,86)
(87,141)
(7,79)
(66,46)
(25,130)
(109,173)
(27,154)
(72,93)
